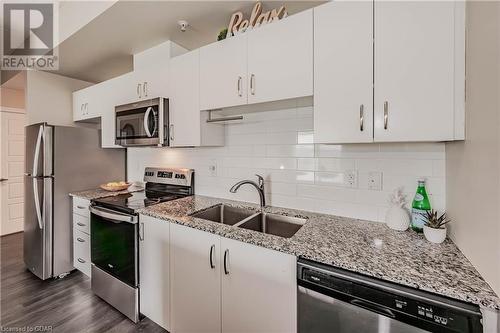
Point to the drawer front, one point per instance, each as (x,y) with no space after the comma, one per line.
(81,251)
(81,223)
(81,207)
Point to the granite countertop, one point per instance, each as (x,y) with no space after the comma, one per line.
(365,247)
(100,193)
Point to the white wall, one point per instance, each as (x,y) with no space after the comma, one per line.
(473,166)
(299,174)
(49,98)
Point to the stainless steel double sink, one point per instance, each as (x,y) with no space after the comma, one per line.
(273,224)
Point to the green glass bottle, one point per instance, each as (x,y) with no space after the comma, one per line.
(420,205)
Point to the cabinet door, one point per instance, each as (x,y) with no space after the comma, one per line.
(90,102)
(223,68)
(108,133)
(414,71)
(259,289)
(280,59)
(195,280)
(79,105)
(154,270)
(154,81)
(343,72)
(184,103)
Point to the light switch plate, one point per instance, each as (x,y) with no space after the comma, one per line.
(375,181)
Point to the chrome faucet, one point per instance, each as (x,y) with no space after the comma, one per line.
(259,186)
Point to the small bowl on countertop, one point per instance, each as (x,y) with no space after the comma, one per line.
(115,188)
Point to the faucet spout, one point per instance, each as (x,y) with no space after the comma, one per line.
(258,186)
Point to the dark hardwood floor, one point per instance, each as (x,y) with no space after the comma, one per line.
(65,305)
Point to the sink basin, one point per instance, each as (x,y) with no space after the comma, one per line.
(274,224)
(224,214)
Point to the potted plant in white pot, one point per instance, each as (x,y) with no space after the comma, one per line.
(435,226)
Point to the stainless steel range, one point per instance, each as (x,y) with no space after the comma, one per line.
(115,231)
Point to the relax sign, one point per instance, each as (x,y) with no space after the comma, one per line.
(238,25)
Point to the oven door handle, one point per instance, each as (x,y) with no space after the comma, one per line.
(112,215)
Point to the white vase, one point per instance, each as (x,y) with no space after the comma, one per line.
(435,235)
(397,218)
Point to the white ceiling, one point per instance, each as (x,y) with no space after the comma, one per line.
(103,48)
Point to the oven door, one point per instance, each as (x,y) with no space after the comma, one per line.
(140,124)
(114,244)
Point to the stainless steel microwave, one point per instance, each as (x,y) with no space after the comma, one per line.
(144,123)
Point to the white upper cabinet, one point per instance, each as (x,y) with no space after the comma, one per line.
(273,62)
(409,56)
(223,73)
(343,72)
(85,103)
(184,104)
(154,270)
(188,127)
(418,70)
(142,84)
(195,280)
(280,59)
(259,289)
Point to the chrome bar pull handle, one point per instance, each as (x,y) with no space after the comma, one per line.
(145,89)
(252,84)
(171,132)
(211,255)
(386,114)
(81,260)
(139,92)
(226,265)
(240,93)
(361,117)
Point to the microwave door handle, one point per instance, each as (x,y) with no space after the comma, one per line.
(146,122)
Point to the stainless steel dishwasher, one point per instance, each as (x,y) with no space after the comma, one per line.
(334,300)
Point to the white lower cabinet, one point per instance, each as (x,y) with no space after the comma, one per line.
(81,251)
(223,285)
(259,289)
(154,270)
(81,235)
(195,280)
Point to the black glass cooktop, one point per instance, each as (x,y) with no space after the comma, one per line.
(131,202)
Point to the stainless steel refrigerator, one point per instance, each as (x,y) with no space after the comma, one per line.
(60,160)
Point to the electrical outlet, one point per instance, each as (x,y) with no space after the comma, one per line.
(212,168)
(351,178)
(375,181)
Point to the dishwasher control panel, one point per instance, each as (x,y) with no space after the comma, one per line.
(411,306)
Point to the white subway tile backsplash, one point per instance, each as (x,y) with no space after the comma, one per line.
(299,174)
(291,176)
(335,164)
(330,179)
(290,150)
(305,137)
(306,164)
(280,163)
(281,138)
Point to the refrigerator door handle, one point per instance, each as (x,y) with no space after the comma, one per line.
(37,203)
(37,151)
